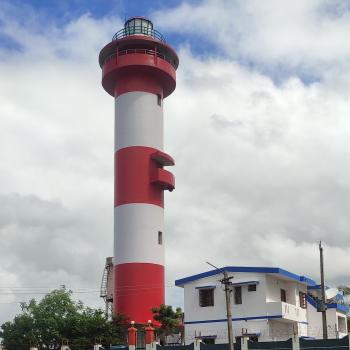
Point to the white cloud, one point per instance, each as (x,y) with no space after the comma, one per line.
(261,169)
(307,35)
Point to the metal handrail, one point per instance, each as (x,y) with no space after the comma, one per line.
(143,51)
(138,30)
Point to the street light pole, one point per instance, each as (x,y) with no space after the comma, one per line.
(226,281)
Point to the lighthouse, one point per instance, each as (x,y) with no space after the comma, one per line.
(139,71)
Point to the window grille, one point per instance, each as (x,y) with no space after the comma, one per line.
(283,295)
(238,295)
(302,300)
(206,297)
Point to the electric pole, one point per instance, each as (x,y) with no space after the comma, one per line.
(323,307)
(226,281)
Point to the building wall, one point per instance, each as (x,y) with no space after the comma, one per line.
(256,314)
(268,329)
(219,329)
(342,324)
(315,323)
(253,303)
(279,330)
(274,286)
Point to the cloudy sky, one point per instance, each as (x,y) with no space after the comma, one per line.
(259,127)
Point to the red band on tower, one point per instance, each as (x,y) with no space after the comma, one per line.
(139,288)
(139,178)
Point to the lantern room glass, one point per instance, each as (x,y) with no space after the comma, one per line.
(138,26)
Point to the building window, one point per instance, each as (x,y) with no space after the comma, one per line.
(302,300)
(341,324)
(283,295)
(159,100)
(206,297)
(251,287)
(160,237)
(238,295)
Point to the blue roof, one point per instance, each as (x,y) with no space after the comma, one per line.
(316,286)
(276,270)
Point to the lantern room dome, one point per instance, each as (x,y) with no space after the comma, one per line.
(138,26)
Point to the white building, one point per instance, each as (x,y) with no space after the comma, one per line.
(267,303)
(336,315)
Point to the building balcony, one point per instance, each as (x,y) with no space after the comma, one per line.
(287,311)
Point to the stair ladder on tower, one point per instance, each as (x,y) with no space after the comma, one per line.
(106,290)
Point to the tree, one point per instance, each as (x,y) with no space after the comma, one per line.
(170,320)
(56,319)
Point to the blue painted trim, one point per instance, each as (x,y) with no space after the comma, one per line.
(339,307)
(316,286)
(245,283)
(307,280)
(235,319)
(276,270)
(206,287)
(311,301)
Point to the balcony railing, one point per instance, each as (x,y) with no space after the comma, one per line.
(142,51)
(287,311)
(138,30)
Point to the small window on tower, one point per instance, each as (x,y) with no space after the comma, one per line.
(159,100)
(160,237)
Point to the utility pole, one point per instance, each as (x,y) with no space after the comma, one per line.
(226,281)
(323,291)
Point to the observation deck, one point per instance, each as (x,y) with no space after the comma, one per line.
(138,49)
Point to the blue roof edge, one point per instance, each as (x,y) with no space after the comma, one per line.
(311,301)
(277,270)
(316,286)
(338,307)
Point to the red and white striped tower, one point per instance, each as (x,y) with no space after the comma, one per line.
(139,71)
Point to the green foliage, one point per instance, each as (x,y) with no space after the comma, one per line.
(168,318)
(57,319)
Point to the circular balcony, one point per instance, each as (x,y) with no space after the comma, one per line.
(138,30)
(154,53)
